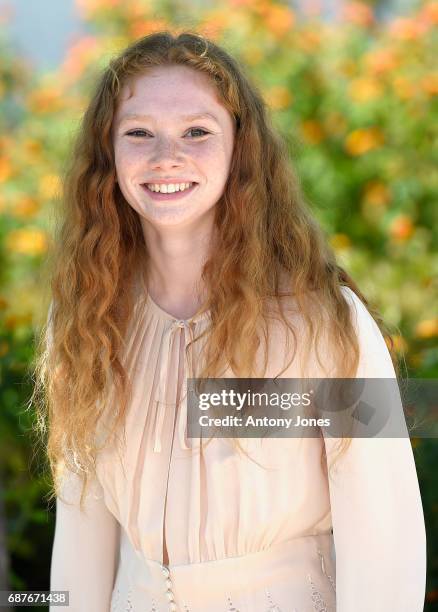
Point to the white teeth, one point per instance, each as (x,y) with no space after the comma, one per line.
(168,188)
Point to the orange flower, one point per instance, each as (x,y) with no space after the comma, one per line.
(407,28)
(358,13)
(401,228)
(47,99)
(312,131)
(364,88)
(429,13)
(381,61)
(147,26)
(403,88)
(428,328)
(279,19)
(79,55)
(308,40)
(429,84)
(215,23)
(32,147)
(362,140)
(5,169)
(377,193)
(278,97)
(27,241)
(25,207)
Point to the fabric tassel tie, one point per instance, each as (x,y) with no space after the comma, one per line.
(164,365)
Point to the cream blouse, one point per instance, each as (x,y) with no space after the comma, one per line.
(272,534)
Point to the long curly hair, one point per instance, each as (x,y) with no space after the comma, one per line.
(268,246)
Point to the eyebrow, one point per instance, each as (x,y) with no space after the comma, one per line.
(137,117)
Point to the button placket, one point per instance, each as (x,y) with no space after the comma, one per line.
(169,591)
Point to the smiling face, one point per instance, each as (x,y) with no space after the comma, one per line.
(181,134)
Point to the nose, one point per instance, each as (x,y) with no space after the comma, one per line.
(166,154)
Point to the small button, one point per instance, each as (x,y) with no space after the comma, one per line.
(172,606)
(170,595)
(165,571)
(168,583)
(181,323)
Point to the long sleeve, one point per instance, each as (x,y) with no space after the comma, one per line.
(85,549)
(377,514)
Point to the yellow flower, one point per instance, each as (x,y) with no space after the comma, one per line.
(362,140)
(340,242)
(27,241)
(13,321)
(252,55)
(348,67)
(278,97)
(364,88)
(312,131)
(428,328)
(49,186)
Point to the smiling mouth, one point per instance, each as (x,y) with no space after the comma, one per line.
(158,195)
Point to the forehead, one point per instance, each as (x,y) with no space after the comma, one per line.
(168,87)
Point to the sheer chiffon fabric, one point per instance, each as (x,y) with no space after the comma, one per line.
(274,534)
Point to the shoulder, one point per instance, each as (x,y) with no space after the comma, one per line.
(375,360)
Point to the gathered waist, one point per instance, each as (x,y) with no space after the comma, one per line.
(291,575)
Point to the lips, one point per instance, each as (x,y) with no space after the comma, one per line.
(157,195)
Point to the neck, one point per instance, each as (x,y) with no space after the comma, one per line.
(175,260)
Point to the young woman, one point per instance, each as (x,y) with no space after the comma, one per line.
(187,251)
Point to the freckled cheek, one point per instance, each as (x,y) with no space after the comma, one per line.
(212,160)
(128,163)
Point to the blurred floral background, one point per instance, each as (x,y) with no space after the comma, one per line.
(356,97)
